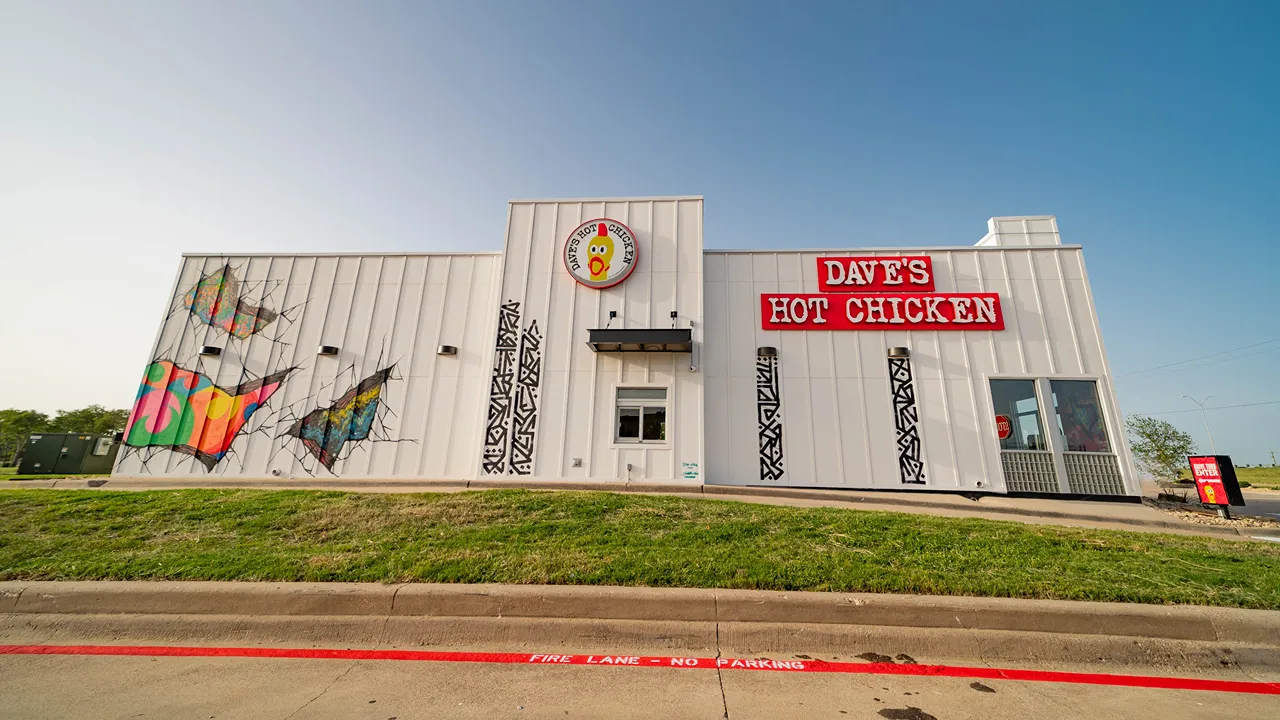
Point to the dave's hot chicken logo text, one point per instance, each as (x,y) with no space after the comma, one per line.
(600,253)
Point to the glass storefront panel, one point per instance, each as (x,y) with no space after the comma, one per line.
(1016,400)
(1080,415)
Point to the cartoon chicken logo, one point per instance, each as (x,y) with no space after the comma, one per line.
(600,254)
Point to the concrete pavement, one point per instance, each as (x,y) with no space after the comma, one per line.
(106,688)
(742,621)
(882,633)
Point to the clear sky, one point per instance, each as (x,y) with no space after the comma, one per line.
(131,132)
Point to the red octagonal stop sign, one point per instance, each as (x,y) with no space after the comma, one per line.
(1004,428)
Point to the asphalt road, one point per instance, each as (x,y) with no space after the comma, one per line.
(102,688)
(1262,504)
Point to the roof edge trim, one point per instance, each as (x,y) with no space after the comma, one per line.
(482,253)
(536,201)
(899,250)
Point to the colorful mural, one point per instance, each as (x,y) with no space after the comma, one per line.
(325,431)
(183,410)
(216,301)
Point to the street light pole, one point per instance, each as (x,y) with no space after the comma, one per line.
(1204,415)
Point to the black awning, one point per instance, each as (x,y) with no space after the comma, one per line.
(673,340)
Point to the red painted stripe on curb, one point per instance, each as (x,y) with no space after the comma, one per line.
(683,663)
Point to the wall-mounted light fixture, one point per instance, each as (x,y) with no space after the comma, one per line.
(446,350)
(211,351)
(899,352)
(327,350)
(766,351)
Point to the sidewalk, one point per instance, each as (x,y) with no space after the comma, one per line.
(546,618)
(320,650)
(1072,513)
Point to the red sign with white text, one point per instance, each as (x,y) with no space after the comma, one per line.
(1208,477)
(888,311)
(902,273)
(1004,428)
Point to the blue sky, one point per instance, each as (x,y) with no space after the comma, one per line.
(132,132)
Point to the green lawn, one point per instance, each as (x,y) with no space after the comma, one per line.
(519,536)
(1260,477)
(11,473)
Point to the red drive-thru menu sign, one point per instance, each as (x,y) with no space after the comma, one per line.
(879,293)
(1216,480)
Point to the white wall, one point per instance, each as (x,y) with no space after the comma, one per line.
(838,428)
(1022,231)
(379,310)
(575,403)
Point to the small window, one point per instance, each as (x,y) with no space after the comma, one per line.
(641,415)
(1016,400)
(1079,415)
(642,394)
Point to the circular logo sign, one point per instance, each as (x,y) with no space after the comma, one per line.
(1004,428)
(600,253)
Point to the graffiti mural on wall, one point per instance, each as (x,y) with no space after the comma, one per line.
(512,420)
(905,421)
(184,411)
(216,300)
(524,423)
(769,417)
(240,311)
(325,432)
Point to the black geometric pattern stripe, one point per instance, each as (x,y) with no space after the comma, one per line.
(500,389)
(906,420)
(769,418)
(525,413)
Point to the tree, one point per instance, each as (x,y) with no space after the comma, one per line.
(95,420)
(1160,448)
(15,426)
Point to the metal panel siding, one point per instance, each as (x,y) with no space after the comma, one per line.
(575,407)
(841,433)
(379,310)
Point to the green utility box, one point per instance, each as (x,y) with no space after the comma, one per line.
(68,454)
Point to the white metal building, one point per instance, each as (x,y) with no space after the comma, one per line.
(604,343)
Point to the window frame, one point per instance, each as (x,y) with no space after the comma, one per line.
(641,404)
(1057,441)
(1102,416)
(1039,412)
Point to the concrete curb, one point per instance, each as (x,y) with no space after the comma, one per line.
(557,602)
(866,500)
